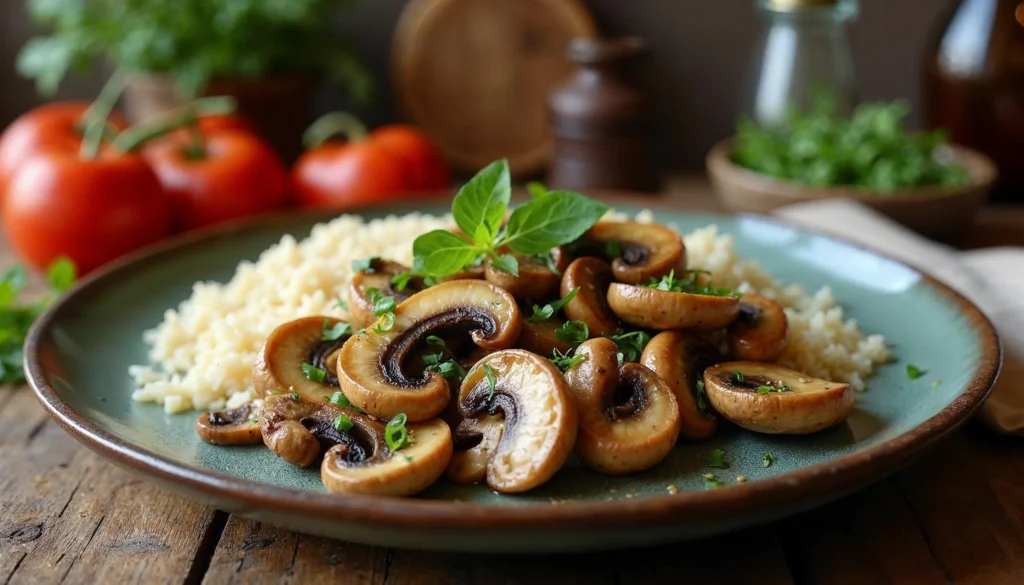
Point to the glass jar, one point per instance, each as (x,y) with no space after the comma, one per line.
(803,48)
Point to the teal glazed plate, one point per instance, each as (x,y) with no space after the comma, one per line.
(78,353)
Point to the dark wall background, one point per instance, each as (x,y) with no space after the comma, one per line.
(700,52)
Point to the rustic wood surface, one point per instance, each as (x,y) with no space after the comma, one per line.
(956,516)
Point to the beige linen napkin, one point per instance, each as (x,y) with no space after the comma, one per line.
(992,278)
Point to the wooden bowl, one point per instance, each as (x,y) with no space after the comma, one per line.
(935,212)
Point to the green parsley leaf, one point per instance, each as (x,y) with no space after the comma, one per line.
(387,321)
(768,459)
(435,340)
(913,372)
(689,283)
(506,263)
(716,459)
(555,219)
(711,482)
(548,311)
(565,362)
(491,380)
(381,303)
(343,422)
(342,400)
(401,280)
(296,397)
(448,369)
(335,332)
(574,332)
(365,264)
(536,189)
(631,344)
(314,373)
(479,206)
(442,253)
(61,274)
(395,433)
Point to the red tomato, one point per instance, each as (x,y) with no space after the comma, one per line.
(92,211)
(237,176)
(212,124)
(340,175)
(52,125)
(424,165)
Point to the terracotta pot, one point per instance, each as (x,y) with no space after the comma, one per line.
(936,212)
(280,107)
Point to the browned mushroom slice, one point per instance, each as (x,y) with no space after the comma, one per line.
(238,426)
(300,431)
(536,280)
(661,309)
(768,398)
(377,277)
(629,419)
(476,441)
(372,366)
(301,356)
(534,434)
(592,277)
(760,332)
(680,358)
(644,250)
(540,337)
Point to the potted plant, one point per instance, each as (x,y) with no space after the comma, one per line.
(267,54)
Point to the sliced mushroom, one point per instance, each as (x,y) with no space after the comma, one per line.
(372,366)
(680,358)
(629,419)
(280,368)
(534,435)
(760,332)
(386,473)
(378,276)
(300,431)
(238,426)
(646,250)
(540,337)
(476,441)
(591,276)
(535,281)
(661,309)
(768,398)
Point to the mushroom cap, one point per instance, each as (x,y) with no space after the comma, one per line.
(238,426)
(476,441)
(379,277)
(539,417)
(760,332)
(536,280)
(372,365)
(300,431)
(591,276)
(661,309)
(649,250)
(278,367)
(385,473)
(809,405)
(540,338)
(629,419)
(679,358)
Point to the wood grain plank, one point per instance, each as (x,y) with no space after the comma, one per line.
(970,533)
(68,516)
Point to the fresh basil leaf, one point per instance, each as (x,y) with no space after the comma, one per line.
(557,218)
(536,189)
(507,263)
(482,201)
(444,253)
(61,274)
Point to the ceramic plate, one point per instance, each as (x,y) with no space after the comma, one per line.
(78,355)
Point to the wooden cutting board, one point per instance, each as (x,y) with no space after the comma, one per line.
(475,75)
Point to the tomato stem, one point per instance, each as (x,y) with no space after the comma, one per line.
(333,124)
(95,117)
(133,138)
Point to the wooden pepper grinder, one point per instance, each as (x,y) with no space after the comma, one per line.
(600,121)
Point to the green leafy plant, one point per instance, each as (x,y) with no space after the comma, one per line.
(869,149)
(192,40)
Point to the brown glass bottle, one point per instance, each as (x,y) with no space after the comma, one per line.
(600,121)
(974,85)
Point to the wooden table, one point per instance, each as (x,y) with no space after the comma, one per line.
(956,516)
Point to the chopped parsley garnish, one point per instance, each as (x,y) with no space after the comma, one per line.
(491,380)
(772,387)
(738,376)
(296,397)
(549,262)
(716,459)
(574,332)
(342,422)
(711,482)
(336,331)
(631,344)
(342,400)
(387,321)
(365,265)
(548,311)
(702,397)
(395,433)
(447,369)
(314,373)
(914,372)
(435,340)
(382,303)
(342,304)
(689,284)
(401,280)
(768,459)
(565,362)
(612,249)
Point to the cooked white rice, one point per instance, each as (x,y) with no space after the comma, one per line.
(203,351)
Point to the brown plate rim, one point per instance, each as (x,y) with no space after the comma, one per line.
(789,489)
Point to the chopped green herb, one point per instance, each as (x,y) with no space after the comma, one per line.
(342,400)
(395,433)
(336,331)
(429,281)
(688,284)
(772,387)
(408,458)
(631,344)
(365,265)
(491,380)
(401,280)
(61,274)
(768,459)
(506,263)
(574,332)
(387,321)
(342,304)
(314,373)
(435,340)
(343,422)
(296,397)
(612,249)
(711,482)
(447,369)
(738,376)
(549,262)
(913,372)
(565,362)
(381,303)
(702,397)
(548,311)
(716,459)
(536,189)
